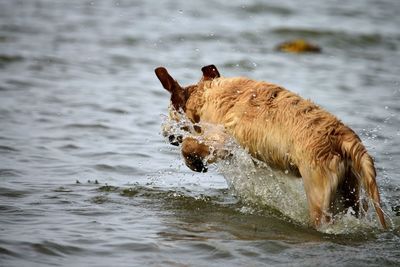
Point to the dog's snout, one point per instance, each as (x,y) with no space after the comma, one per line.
(195,163)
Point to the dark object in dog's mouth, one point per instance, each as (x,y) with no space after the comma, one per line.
(175,140)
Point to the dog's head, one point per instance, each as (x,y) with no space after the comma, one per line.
(179,94)
(179,98)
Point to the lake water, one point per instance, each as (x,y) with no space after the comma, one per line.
(87,179)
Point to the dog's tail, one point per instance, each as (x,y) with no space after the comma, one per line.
(363,167)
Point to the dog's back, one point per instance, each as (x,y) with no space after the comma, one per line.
(270,120)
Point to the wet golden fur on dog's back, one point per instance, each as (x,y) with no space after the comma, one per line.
(268,119)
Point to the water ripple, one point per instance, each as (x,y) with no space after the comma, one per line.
(261,8)
(9,59)
(124,169)
(8,149)
(10,173)
(7,252)
(8,192)
(56,249)
(90,126)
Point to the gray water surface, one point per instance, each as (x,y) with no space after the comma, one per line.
(86,178)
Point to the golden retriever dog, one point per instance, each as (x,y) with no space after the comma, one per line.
(279,128)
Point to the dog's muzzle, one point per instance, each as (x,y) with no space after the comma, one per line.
(195,163)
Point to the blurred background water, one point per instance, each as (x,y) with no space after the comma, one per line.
(86,179)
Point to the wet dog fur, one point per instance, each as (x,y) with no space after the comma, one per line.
(281,129)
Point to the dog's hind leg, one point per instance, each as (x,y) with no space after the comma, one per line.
(318,187)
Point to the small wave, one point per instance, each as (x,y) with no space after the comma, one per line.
(129,41)
(200,37)
(69,147)
(9,59)
(46,60)
(138,155)
(8,149)
(4,251)
(303,32)
(8,192)
(147,247)
(259,7)
(25,29)
(55,249)
(118,168)
(9,173)
(91,126)
(175,198)
(18,84)
(121,60)
(116,111)
(78,104)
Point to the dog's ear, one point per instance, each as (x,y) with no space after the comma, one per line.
(178,95)
(210,72)
(166,80)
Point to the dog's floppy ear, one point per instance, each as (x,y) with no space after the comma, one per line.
(178,96)
(166,80)
(210,72)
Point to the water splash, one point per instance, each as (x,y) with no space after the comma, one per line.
(258,184)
